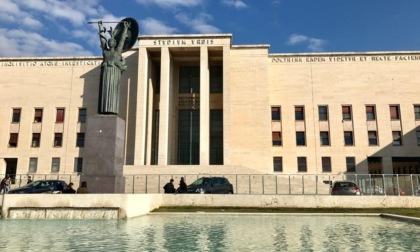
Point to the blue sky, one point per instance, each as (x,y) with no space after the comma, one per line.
(30,28)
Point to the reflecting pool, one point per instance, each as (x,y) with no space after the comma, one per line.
(212,232)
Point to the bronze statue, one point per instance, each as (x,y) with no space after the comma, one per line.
(122,39)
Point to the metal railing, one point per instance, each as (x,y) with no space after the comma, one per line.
(258,184)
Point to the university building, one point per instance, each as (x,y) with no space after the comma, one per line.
(198,104)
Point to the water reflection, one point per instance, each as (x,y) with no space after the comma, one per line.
(200,232)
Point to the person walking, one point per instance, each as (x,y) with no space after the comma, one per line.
(169,187)
(5,185)
(83,188)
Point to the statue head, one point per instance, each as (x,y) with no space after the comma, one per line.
(112,42)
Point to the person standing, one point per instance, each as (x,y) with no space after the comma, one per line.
(169,187)
(83,188)
(69,188)
(182,186)
(29,180)
(5,185)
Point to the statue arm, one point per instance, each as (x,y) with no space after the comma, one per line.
(101,33)
(123,37)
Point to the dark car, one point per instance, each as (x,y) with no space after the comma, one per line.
(215,185)
(345,188)
(42,186)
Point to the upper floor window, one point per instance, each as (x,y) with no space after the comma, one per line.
(351,164)
(82,115)
(323,113)
(396,138)
(78,164)
(275,114)
(13,140)
(16,115)
(348,138)
(418,137)
(38,115)
(394,112)
(60,115)
(36,139)
(370,113)
(326,164)
(417,112)
(216,79)
(324,138)
(189,79)
(346,110)
(33,165)
(278,164)
(299,113)
(276,138)
(302,164)
(55,164)
(300,138)
(80,141)
(373,138)
(58,139)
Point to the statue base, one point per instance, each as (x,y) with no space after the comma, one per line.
(103,154)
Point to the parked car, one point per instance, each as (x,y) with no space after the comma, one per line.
(42,186)
(218,185)
(345,188)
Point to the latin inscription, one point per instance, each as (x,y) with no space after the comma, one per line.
(175,42)
(52,63)
(374,58)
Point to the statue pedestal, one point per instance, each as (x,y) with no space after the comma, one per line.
(103,154)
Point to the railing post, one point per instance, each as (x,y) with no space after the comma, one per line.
(159,183)
(370,185)
(249,182)
(398,185)
(412,184)
(236,184)
(290,189)
(277,184)
(262,183)
(145,184)
(316,184)
(134,176)
(303,184)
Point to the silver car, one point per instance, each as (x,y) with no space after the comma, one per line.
(345,188)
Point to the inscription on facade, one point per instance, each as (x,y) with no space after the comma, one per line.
(51,63)
(175,42)
(358,58)
(189,102)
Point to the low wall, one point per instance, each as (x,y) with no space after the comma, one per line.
(123,206)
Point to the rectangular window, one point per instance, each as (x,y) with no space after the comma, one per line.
(60,115)
(346,110)
(16,115)
(58,139)
(78,164)
(216,79)
(276,137)
(299,113)
(394,112)
(323,113)
(300,138)
(396,138)
(302,164)
(55,164)
(82,115)
(326,164)
(418,137)
(38,115)
(278,164)
(189,79)
(33,165)
(189,137)
(351,164)
(417,112)
(324,138)
(80,141)
(373,138)
(216,136)
(370,113)
(13,140)
(348,138)
(36,139)
(275,114)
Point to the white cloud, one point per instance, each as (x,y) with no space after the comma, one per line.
(19,43)
(153,26)
(199,23)
(28,21)
(171,3)
(313,44)
(235,3)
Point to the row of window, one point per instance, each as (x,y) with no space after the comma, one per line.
(302,165)
(324,137)
(394,111)
(38,114)
(55,164)
(36,140)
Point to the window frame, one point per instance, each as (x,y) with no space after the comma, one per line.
(346,115)
(59,115)
(33,165)
(276,138)
(278,164)
(81,117)
(78,164)
(13,140)
(351,164)
(322,116)
(302,133)
(36,140)
(397,138)
(370,115)
(38,114)
(322,143)
(58,139)
(80,139)
(302,164)
(275,113)
(299,113)
(55,164)
(416,112)
(16,115)
(346,138)
(394,114)
(326,164)
(375,139)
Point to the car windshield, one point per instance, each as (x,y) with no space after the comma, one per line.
(345,184)
(201,181)
(39,184)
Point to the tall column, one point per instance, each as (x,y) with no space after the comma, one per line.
(141,109)
(164,105)
(204,106)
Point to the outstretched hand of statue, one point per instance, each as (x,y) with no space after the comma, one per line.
(127,24)
(101,27)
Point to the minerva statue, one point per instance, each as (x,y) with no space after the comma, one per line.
(122,39)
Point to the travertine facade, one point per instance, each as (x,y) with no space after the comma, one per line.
(198,104)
